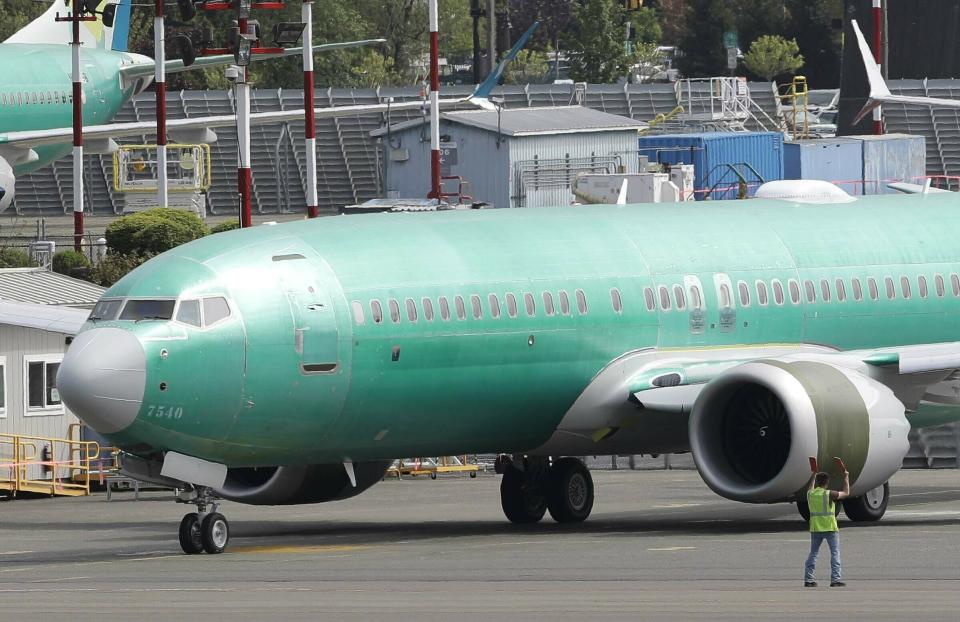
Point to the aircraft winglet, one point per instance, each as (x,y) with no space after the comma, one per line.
(486,87)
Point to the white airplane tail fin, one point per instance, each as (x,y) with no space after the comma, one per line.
(93,34)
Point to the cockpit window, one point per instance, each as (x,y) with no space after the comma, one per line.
(106,310)
(189,312)
(148,310)
(214,310)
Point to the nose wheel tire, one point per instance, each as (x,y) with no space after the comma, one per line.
(870,506)
(569,491)
(190,540)
(214,533)
(522,499)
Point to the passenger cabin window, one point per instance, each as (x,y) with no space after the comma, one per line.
(744,291)
(581,302)
(189,313)
(664,298)
(358,316)
(376,310)
(107,310)
(444,309)
(905,287)
(939,285)
(530,304)
(477,307)
(778,292)
(564,302)
(841,290)
(548,303)
(679,297)
(794,287)
(891,290)
(427,309)
(825,290)
(696,298)
(762,298)
(922,286)
(394,310)
(148,310)
(649,298)
(494,306)
(461,308)
(618,301)
(41,383)
(726,297)
(857,289)
(511,305)
(411,309)
(811,290)
(955,284)
(872,287)
(214,310)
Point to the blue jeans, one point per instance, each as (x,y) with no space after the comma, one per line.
(816,539)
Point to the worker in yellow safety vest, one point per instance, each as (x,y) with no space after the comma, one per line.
(823,521)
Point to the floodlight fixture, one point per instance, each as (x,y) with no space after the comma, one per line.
(244,49)
(287,33)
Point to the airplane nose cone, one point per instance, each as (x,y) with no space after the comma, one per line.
(103,377)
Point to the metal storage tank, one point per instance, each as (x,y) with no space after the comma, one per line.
(828,159)
(892,157)
(757,156)
(510,158)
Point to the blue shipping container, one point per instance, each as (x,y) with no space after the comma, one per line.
(892,157)
(720,159)
(829,159)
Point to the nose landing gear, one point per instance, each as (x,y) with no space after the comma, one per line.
(202,530)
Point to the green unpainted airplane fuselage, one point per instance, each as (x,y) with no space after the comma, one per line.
(36,87)
(493,322)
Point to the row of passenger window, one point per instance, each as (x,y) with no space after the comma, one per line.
(472,306)
(27,98)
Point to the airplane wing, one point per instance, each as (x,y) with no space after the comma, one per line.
(880,94)
(908,188)
(144,70)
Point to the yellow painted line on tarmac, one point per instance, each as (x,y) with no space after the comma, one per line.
(293,548)
(675,548)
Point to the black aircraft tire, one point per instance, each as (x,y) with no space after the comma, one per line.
(190,540)
(869,506)
(215,533)
(522,503)
(570,491)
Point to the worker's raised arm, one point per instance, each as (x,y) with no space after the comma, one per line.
(813,473)
(842,494)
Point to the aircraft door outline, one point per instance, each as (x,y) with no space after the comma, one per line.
(697,304)
(726,305)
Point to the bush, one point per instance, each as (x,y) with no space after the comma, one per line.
(113,267)
(153,231)
(227,225)
(66,262)
(15,258)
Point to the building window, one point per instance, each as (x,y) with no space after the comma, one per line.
(427,309)
(841,290)
(548,303)
(494,306)
(872,286)
(617,300)
(3,387)
(581,302)
(679,297)
(461,308)
(394,310)
(922,286)
(477,307)
(744,290)
(761,294)
(40,389)
(376,310)
(857,289)
(938,283)
(649,298)
(357,312)
(564,302)
(511,305)
(444,309)
(778,292)
(794,291)
(530,304)
(825,289)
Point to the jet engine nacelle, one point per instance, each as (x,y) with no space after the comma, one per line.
(291,485)
(7,185)
(754,427)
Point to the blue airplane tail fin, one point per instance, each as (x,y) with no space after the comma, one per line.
(94,34)
(486,87)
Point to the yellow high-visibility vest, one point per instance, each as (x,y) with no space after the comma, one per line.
(823,515)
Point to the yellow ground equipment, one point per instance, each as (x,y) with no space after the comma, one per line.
(434,466)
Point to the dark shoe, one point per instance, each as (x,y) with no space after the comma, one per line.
(809,584)
(838,584)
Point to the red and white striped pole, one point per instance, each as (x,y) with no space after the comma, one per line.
(309,125)
(244,173)
(878,56)
(159,41)
(435,190)
(77,132)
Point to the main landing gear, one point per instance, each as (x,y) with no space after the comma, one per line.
(532,486)
(202,530)
(870,506)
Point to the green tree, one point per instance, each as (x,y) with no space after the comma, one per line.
(68,261)
(227,225)
(703,54)
(153,231)
(113,267)
(772,55)
(15,258)
(816,24)
(598,47)
(528,67)
(756,18)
